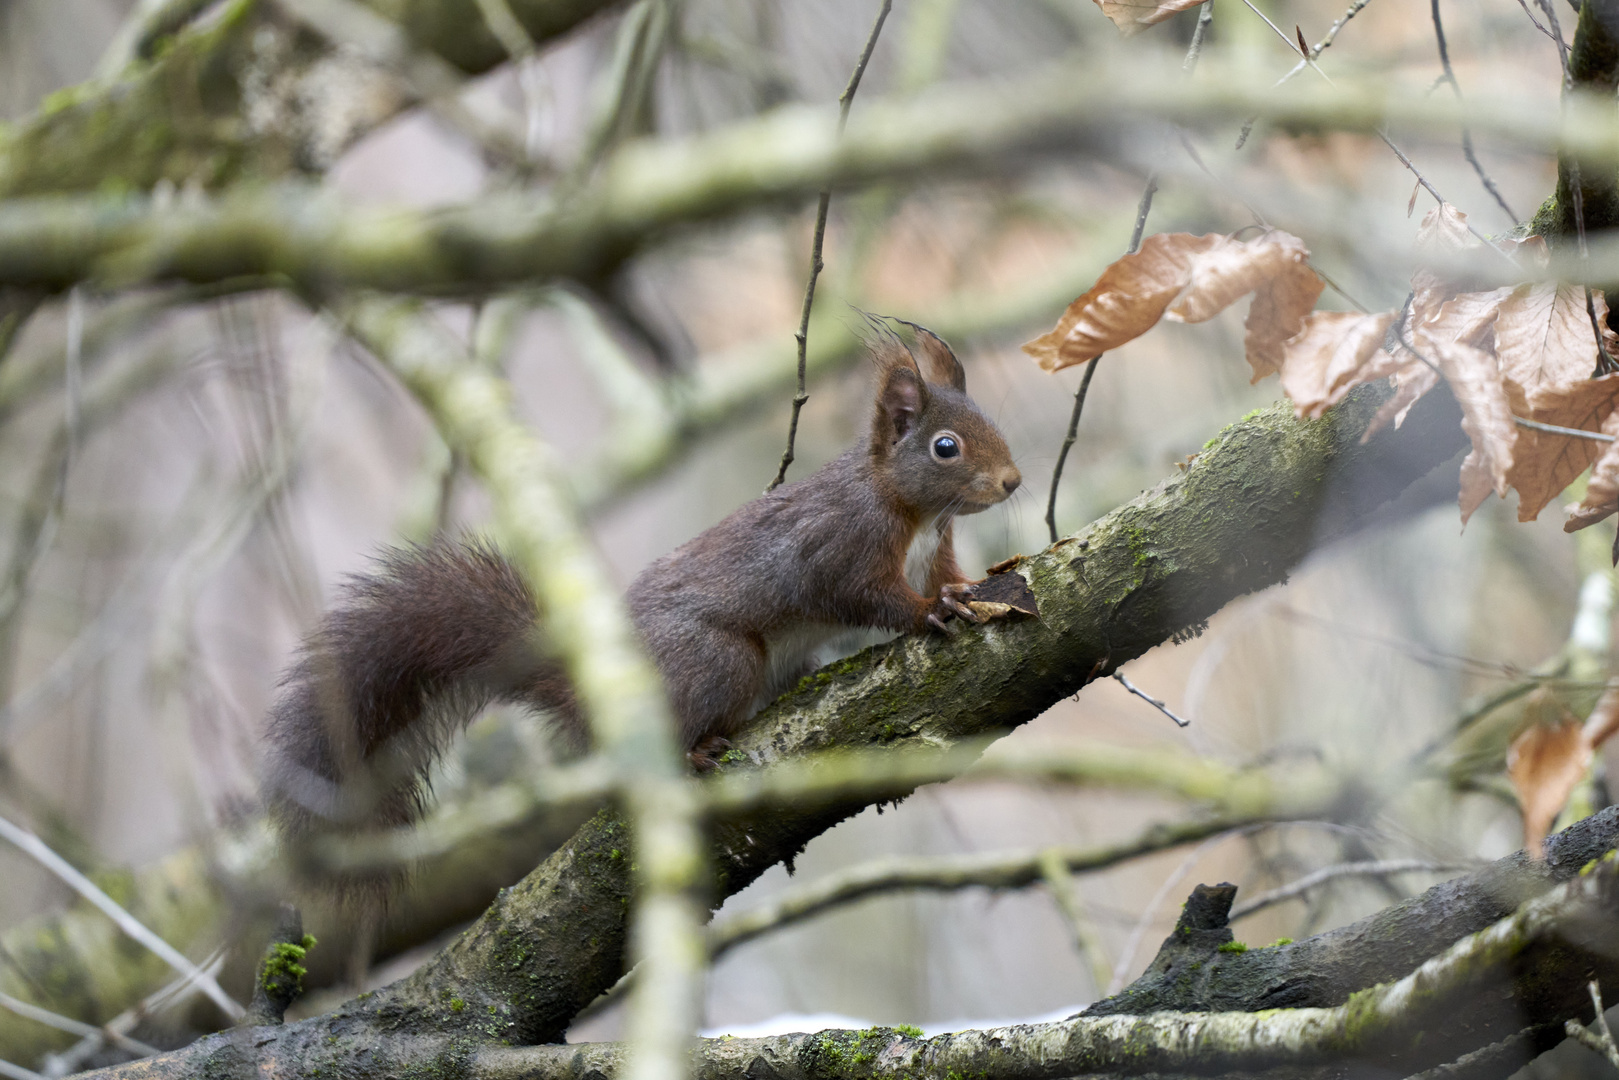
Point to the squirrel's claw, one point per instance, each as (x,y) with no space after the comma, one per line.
(955,600)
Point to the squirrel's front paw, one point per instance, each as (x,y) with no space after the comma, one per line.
(958,600)
(954,599)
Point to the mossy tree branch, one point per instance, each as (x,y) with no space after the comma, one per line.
(1261,496)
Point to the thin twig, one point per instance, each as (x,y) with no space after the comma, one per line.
(1599,1040)
(170,995)
(1378,868)
(1143,208)
(1205,16)
(1149,699)
(1382,133)
(1523,4)
(36,849)
(1067,445)
(816,265)
(1467,137)
(71,1026)
(1553,429)
(1304,57)
(17,1072)
(1606,364)
(947,873)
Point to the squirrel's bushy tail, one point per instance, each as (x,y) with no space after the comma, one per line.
(409,656)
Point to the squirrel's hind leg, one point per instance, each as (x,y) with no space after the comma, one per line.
(712,677)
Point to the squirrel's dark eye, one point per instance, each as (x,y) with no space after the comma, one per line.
(945,446)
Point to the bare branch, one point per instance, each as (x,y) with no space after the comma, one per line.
(845,100)
(34,848)
(1315,879)
(994,870)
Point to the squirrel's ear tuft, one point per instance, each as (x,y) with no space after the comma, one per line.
(900,397)
(938,361)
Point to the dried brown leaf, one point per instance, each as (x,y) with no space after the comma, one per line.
(1545,764)
(1335,352)
(1486,415)
(1134,17)
(1007,589)
(1126,302)
(1544,464)
(1444,228)
(1231,269)
(1277,314)
(1543,340)
(1466,318)
(1602,490)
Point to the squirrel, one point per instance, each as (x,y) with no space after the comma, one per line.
(731,618)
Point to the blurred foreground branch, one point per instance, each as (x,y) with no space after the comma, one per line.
(319,243)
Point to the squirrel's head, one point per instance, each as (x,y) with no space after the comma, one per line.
(931,446)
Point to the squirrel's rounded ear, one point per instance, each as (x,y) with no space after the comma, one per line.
(899,399)
(938,361)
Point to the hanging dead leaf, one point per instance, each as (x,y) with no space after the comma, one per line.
(1278,312)
(1134,17)
(1544,341)
(1602,490)
(1335,352)
(1466,318)
(1126,302)
(1545,764)
(1444,229)
(1189,278)
(1544,464)
(1231,269)
(1486,416)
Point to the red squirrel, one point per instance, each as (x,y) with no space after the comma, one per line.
(731,618)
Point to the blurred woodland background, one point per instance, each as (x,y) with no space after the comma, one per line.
(190,472)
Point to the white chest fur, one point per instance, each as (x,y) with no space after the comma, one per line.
(801,650)
(919,556)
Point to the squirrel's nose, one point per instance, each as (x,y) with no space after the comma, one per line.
(1011,481)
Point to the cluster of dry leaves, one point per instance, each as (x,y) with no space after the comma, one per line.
(1519,352)
(1529,352)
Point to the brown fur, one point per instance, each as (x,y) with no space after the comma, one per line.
(418,647)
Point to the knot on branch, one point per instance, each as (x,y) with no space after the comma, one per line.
(280,979)
(1200,931)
